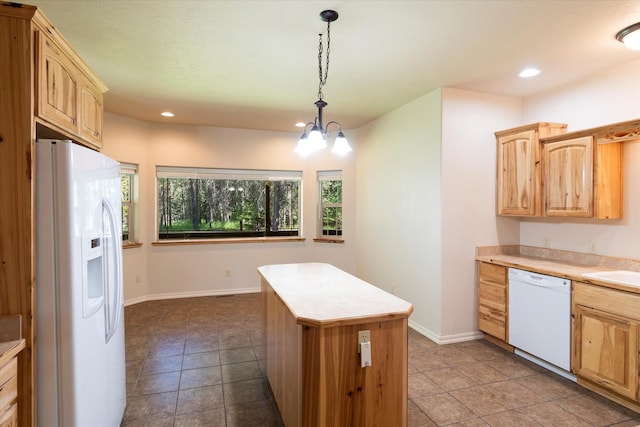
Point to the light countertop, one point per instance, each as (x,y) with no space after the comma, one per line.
(571,271)
(319,294)
(9,349)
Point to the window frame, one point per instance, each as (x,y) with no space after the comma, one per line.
(261,175)
(321,176)
(131,170)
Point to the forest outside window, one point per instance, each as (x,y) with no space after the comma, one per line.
(202,203)
(129,187)
(330,204)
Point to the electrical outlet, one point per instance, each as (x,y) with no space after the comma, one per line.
(227,272)
(138,279)
(363,336)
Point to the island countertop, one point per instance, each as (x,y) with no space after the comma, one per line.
(321,295)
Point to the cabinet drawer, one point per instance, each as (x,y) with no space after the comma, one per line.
(492,295)
(8,393)
(492,321)
(10,369)
(493,273)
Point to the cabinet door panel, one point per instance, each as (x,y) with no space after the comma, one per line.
(568,173)
(91,114)
(57,97)
(607,350)
(517,173)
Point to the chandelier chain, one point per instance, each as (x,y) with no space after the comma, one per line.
(323,79)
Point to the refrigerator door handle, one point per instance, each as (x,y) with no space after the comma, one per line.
(113,313)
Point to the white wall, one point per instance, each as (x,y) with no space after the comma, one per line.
(398,212)
(174,271)
(426,191)
(607,97)
(469,120)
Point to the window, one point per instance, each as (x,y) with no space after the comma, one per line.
(204,203)
(129,186)
(330,206)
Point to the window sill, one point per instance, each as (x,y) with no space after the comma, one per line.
(129,245)
(328,240)
(228,241)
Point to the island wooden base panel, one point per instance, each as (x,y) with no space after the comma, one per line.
(316,376)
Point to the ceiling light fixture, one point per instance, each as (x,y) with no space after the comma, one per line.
(630,36)
(316,139)
(529,72)
(167,114)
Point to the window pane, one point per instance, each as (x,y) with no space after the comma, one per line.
(332,221)
(212,208)
(331,192)
(125,222)
(331,205)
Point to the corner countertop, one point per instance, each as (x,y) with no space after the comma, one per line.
(321,295)
(9,349)
(567,270)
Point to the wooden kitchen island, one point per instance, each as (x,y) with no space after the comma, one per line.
(311,316)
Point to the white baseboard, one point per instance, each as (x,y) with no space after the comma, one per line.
(193,294)
(445,339)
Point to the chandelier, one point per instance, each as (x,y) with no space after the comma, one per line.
(316,139)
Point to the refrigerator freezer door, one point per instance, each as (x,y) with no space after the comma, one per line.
(81,377)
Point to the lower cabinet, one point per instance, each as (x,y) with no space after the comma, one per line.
(9,393)
(605,341)
(493,300)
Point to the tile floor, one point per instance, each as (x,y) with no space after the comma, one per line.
(197,362)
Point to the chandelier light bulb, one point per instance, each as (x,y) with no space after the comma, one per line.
(341,145)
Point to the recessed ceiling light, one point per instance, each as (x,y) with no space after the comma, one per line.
(630,36)
(300,125)
(529,72)
(167,114)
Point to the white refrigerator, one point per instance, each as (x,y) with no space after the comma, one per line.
(79,344)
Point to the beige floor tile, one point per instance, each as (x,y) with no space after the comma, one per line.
(209,418)
(496,397)
(511,418)
(200,399)
(150,407)
(550,386)
(550,414)
(201,360)
(157,365)
(450,378)
(421,385)
(417,418)
(157,383)
(596,410)
(443,408)
(200,377)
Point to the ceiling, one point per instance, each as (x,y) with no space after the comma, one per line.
(254,64)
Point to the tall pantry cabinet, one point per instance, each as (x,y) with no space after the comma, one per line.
(46,91)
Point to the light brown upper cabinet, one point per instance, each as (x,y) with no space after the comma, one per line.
(582,171)
(568,177)
(70,98)
(518,188)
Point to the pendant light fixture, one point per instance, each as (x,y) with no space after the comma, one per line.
(316,139)
(630,36)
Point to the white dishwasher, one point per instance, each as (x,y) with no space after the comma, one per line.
(540,319)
